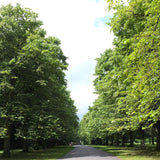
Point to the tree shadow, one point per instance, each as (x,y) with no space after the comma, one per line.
(47,154)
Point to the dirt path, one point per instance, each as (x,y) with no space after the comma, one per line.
(82,152)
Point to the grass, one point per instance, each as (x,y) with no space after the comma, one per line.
(48,154)
(131,153)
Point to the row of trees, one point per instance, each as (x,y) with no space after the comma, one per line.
(128,78)
(34,102)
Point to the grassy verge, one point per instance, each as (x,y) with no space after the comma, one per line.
(130,153)
(48,154)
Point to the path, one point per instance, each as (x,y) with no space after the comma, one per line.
(82,152)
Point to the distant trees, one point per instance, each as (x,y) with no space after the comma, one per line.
(127,77)
(34,101)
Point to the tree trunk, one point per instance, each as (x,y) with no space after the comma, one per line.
(152,135)
(117,139)
(123,140)
(25,145)
(7,141)
(152,140)
(112,140)
(158,135)
(131,137)
(44,144)
(142,134)
(106,143)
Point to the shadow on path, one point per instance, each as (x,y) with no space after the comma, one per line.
(82,152)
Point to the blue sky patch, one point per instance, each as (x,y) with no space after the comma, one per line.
(101,21)
(101,1)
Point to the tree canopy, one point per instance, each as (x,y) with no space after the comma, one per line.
(35,102)
(127,77)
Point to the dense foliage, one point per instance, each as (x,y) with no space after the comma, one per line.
(34,102)
(128,78)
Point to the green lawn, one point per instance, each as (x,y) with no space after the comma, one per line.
(130,153)
(48,154)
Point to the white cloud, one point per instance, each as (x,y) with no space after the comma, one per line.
(73,22)
(87,95)
(83,101)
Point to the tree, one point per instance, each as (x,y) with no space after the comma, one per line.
(32,80)
(128,76)
(15,25)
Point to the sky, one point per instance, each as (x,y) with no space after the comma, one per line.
(81,27)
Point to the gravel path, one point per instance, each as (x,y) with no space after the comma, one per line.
(82,152)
